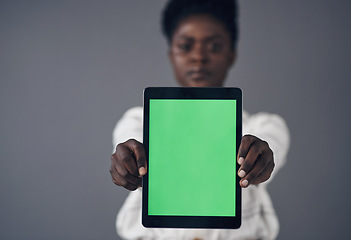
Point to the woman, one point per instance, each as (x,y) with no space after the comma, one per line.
(202,38)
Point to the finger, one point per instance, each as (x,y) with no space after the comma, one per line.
(139,154)
(119,170)
(126,157)
(123,172)
(259,166)
(245,144)
(121,181)
(254,151)
(265,174)
(126,185)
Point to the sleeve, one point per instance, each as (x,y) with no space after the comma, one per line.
(272,129)
(130,126)
(128,222)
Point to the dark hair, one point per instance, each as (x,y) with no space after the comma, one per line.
(223,10)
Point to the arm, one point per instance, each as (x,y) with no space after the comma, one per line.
(263,148)
(124,171)
(128,162)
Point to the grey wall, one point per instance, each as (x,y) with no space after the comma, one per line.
(69,69)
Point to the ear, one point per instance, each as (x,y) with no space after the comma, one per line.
(232,57)
(170,55)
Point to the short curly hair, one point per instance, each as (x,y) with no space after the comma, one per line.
(223,10)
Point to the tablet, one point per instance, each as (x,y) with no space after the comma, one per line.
(191,140)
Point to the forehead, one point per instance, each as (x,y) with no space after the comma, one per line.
(200,27)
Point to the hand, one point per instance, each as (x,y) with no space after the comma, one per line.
(128,164)
(256,160)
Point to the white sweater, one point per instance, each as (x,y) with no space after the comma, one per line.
(259,220)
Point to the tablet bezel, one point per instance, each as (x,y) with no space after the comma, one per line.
(219,222)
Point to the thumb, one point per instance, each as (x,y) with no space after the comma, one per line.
(140,156)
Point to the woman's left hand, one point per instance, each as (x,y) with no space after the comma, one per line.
(256,161)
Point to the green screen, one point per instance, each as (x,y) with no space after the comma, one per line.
(192,157)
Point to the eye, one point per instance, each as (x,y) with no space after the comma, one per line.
(184,47)
(215,47)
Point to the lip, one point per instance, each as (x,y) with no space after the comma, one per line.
(198,74)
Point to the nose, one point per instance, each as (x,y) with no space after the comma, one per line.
(199,54)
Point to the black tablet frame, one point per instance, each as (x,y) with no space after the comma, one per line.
(191,221)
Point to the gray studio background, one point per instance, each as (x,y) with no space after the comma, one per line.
(70,69)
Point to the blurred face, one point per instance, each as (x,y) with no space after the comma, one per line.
(201,53)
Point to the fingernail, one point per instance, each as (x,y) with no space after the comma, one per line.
(245,183)
(242,173)
(240,160)
(142,171)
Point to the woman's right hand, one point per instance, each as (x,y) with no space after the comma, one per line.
(128,164)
